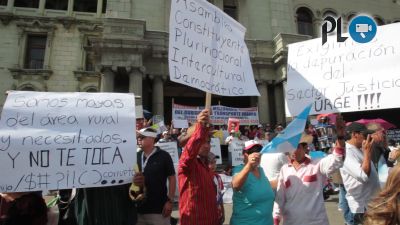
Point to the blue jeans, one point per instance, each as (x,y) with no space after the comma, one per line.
(348,216)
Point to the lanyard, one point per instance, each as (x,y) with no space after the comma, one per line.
(144,162)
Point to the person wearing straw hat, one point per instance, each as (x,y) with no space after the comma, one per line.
(253,197)
(299,195)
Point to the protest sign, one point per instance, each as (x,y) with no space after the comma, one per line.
(346,76)
(180,123)
(220,114)
(393,134)
(233,124)
(216,149)
(53,141)
(207,50)
(236,149)
(171,148)
(139,111)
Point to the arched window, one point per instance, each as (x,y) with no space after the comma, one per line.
(329,13)
(379,21)
(27,87)
(91,89)
(332,14)
(350,17)
(304,21)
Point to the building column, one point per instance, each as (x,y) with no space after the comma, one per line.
(263,102)
(42,4)
(279,103)
(10,5)
(136,83)
(158,95)
(317,27)
(70,8)
(99,8)
(107,80)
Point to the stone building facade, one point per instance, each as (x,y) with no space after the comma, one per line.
(122,46)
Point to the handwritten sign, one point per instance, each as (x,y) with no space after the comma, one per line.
(345,76)
(207,50)
(393,134)
(172,149)
(52,141)
(220,114)
(216,149)
(236,149)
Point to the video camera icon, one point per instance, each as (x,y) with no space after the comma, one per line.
(363,28)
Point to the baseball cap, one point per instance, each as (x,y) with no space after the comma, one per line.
(148,132)
(358,127)
(212,156)
(250,144)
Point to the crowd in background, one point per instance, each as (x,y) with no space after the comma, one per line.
(278,188)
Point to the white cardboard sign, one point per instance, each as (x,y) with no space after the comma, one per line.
(172,149)
(236,149)
(216,149)
(207,50)
(345,77)
(52,141)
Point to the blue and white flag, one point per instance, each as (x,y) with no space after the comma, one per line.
(289,138)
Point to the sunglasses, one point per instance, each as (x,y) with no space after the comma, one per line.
(253,149)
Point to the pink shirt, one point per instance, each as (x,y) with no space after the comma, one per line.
(299,193)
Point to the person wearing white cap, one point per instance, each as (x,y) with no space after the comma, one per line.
(299,194)
(157,167)
(253,197)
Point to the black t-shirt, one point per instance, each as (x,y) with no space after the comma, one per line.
(158,168)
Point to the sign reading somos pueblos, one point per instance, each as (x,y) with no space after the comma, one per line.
(52,141)
(207,50)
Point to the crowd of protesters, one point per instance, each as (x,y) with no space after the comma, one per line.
(268,189)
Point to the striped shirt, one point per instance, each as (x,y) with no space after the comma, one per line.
(197,192)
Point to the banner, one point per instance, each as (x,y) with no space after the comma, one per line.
(51,141)
(216,149)
(207,50)
(236,149)
(220,114)
(172,149)
(345,77)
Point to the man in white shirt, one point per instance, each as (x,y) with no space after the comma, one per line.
(359,175)
(299,193)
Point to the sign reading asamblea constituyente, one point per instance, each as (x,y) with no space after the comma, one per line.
(207,50)
(344,77)
(51,141)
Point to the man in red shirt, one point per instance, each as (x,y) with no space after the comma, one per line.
(197,202)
